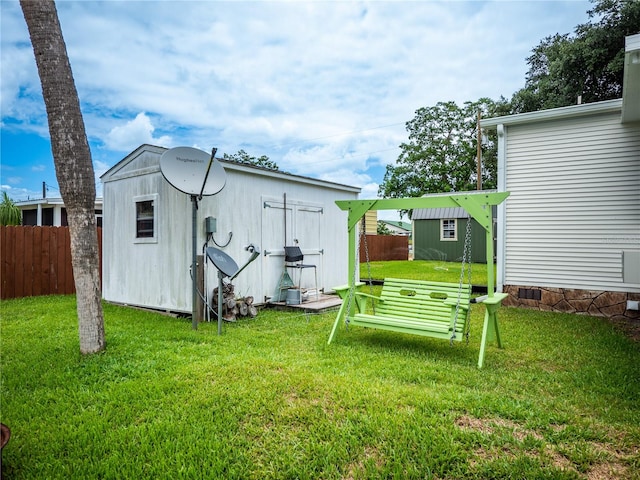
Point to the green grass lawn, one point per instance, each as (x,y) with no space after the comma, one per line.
(424,270)
(270,399)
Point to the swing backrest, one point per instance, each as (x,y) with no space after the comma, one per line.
(421,300)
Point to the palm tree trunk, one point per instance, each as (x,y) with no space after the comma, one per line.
(74,168)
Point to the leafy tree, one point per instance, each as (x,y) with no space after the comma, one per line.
(440,155)
(72,159)
(245,158)
(383,229)
(589,64)
(9,212)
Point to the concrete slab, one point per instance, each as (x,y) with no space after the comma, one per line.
(325,302)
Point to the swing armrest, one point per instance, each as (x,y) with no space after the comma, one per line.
(367,295)
(479,299)
(453,302)
(343,290)
(496,299)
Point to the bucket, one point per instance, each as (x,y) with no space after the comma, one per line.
(294,296)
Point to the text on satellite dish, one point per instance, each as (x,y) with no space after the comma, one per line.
(192,160)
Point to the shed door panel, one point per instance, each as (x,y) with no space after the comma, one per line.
(304,226)
(308,232)
(307,229)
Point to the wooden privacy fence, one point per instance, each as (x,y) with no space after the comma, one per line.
(385,247)
(37,261)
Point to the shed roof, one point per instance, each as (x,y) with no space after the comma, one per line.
(153,165)
(438,213)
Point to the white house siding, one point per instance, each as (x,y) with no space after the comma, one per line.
(156,273)
(574,208)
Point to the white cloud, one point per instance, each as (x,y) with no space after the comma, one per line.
(14,180)
(304,83)
(18,194)
(98,169)
(133,133)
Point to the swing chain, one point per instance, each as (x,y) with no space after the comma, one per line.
(467,242)
(366,256)
(353,278)
(466,259)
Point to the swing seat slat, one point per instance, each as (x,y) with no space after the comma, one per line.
(416,307)
(395,324)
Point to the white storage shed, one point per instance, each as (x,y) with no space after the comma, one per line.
(147,233)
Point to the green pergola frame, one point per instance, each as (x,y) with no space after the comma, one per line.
(477,204)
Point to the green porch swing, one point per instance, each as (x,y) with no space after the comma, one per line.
(433,309)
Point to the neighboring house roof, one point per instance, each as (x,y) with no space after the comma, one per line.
(438,213)
(33,203)
(50,211)
(398,224)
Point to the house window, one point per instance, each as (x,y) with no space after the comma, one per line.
(29,217)
(448,229)
(146,219)
(47,217)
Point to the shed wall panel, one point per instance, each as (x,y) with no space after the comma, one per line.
(574,204)
(156,274)
(427,244)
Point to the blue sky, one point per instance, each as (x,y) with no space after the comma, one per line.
(323,88)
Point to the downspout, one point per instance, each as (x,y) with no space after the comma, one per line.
(501,225)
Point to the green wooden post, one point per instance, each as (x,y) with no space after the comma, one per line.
(345,292)
(490,328)
(483,215)
(355,214)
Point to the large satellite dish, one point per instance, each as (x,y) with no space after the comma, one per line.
(192,171)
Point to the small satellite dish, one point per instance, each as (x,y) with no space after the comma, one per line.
(222,261)
(188,170)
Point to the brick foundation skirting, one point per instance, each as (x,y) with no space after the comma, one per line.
(591,302)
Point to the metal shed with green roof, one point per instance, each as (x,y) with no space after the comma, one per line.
(438,234)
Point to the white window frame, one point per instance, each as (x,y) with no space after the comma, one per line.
(145,198)
(442,230)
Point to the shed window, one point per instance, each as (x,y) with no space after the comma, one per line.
(448,229)
(146,219)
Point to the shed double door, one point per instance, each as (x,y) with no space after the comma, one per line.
(303,228)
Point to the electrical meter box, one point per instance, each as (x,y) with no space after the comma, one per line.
(210,225)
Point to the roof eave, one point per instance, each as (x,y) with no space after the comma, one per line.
(607,106)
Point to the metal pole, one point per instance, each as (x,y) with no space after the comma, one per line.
(194,261)
(206,175)
(479,154)
(220,285)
